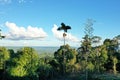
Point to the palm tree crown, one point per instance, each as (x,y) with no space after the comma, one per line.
(64,27)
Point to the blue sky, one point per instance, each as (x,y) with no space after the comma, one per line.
(34,22)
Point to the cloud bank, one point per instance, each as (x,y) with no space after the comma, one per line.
(21,33)
(59,35)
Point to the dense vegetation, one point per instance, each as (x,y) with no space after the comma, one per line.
(67,62)
(92,61)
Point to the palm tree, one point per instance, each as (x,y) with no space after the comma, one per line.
(65,28)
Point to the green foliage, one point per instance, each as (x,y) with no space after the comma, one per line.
(84,53)
(4,56)
(113,55)
(65,57)
(26,63)
(90,66)
(45,71)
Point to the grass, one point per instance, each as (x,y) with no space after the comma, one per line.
(105,76)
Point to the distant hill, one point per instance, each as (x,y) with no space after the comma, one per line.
(39,49)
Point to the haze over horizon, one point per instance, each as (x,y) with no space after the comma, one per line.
(35,22)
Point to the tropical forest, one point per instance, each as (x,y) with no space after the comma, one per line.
(94,59)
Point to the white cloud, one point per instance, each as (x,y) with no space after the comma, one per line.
(59,35)
(5,1)
(21,1)
(25,1)
(18,1)
(21,33)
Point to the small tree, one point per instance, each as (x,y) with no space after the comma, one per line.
(115,61)
(4,57)
(25,63)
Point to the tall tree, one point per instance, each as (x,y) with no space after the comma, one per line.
(65,28)
(86,47)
